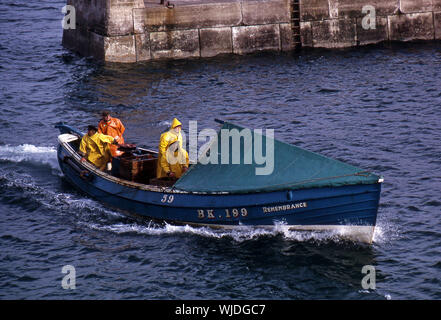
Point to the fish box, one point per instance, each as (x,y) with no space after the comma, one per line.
(138,168)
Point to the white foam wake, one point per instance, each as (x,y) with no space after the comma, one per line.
(238,234)
(385,232)
(30,153)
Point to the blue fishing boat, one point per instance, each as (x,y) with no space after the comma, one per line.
(304,191)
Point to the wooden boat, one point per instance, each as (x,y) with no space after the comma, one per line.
(306,191)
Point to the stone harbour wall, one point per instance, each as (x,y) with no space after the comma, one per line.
(338,23)
(142,30)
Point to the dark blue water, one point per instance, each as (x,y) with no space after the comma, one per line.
(374,107)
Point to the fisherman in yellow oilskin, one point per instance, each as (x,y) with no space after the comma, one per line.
(94,147)
(172,157)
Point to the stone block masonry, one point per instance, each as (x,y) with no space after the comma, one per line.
(339,23)
(143,30)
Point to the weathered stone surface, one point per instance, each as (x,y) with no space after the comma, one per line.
(314,10)
(96,45)
(413,26)
(413,6)
(215,41)
(82,42)
(174,44)
(70,39)
(120,49)
(266,12)
(119,21)
(333,9)
(142,47)
(286,37)
(368,35)
(203,15)
(120,16)
(247,39)
(436,5)
(334,33)
(437,21)
(78,40)
(306,34)
(344,9)
(89,14)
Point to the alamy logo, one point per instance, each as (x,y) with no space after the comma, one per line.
(69,20)
(236,146)
(368,281)
(69,280)
(368,21)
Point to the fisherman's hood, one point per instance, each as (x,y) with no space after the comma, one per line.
(175,123)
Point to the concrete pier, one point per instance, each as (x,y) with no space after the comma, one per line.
(142,30)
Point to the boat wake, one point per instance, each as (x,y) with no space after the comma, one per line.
(239,234)
(386,232)
(30,153)
(26,192)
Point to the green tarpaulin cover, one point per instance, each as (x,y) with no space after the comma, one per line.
(292,167)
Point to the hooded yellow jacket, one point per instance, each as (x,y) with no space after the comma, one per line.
(96,149)
(172,156)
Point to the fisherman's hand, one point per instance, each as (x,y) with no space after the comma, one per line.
(184,169)
(83,159)
(171,174)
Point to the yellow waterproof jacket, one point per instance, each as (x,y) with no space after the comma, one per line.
(96,149)
(172,156)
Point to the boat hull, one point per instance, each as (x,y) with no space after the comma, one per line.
(348,210)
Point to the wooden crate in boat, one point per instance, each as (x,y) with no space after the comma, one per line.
(138,168)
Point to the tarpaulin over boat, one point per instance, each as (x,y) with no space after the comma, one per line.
(292,167)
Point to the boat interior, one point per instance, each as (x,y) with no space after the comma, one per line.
(134,165)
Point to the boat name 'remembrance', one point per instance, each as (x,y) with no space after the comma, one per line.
(235,213)
(285,207)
